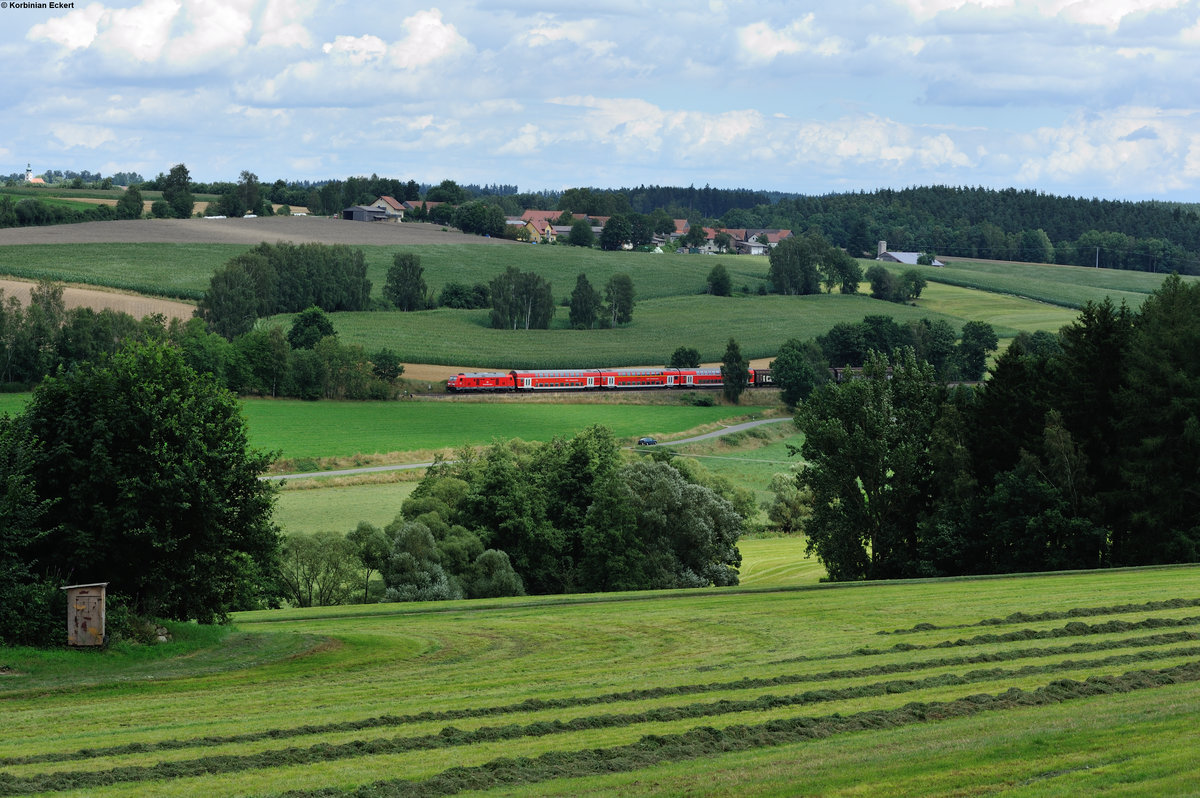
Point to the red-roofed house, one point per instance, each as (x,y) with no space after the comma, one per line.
(534,214)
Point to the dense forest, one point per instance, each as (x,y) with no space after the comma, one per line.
(1080,451)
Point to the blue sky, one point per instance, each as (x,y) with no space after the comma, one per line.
(1078,97)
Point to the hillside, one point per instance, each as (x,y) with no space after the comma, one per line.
(1067,683)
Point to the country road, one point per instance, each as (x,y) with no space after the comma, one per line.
(410,466)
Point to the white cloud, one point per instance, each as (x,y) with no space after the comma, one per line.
(140,32)
(547,31)
(74,30)
(429,39)
(282,23)
(527,141)
(181,35)
(734,141)
(356,50)
(760,42)
(1101,13)
(1134,149)
(217,26)
(86,136)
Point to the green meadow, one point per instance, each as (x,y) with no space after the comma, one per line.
(659,326)
(178,271)
(1068,684)
(55,201)
(299,429)
(1068,286)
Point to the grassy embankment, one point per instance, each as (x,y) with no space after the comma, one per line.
(1063,684)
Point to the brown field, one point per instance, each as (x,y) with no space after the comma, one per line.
(297,229)
(200,206)
(135,305)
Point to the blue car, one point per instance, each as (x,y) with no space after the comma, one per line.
(647,442)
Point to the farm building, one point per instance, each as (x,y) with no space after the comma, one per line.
(910,258)
(361,213)
(392,208)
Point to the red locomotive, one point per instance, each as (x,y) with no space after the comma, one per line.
(595,379)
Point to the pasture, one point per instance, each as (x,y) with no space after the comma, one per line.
(1071,683)
(299,429)
(659,326)
(1068,286)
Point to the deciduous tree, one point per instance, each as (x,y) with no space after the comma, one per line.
(177,190)
(685,357)
(719,282)
(129,205)
(155,487)
(585,304)
(734,372)
(405,286)
(618,298)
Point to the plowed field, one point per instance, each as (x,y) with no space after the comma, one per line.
(297,229)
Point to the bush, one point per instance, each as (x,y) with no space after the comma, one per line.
(32,614)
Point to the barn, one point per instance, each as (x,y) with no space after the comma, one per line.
(360,213)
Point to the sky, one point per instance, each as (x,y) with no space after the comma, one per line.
(1071,97)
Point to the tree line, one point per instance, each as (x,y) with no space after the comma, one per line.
(1079,451)
(305,361)
(802,366)
(1003,224)
(518,300)
(284,278)
(566,516)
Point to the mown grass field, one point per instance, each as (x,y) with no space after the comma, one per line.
(1062,684)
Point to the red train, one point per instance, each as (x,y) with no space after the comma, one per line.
(595,379)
